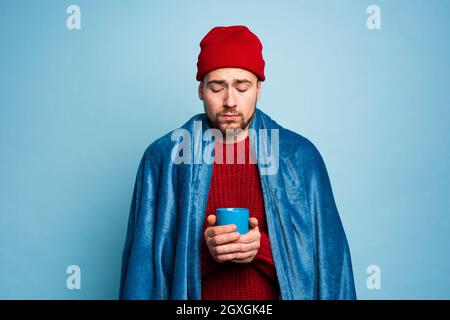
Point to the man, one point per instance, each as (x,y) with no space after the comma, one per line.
(296,246)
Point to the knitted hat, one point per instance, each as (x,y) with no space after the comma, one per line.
(230,47)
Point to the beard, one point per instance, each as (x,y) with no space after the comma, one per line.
(223,124)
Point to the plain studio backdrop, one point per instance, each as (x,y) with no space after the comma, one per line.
(79,107)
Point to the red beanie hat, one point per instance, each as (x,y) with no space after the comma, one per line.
(230,47)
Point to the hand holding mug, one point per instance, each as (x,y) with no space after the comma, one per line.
(225,244)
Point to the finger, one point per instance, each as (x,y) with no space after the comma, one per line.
(227,248)
(251,236)
(211,220)
(240,256)
(215,231)
(223,239)
(248,247)
(253,222)
(242,261)
(225,257)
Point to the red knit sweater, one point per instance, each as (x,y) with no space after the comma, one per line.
(238,185)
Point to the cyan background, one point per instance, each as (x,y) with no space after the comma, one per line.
(78,108)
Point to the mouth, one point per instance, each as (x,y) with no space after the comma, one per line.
(230,116)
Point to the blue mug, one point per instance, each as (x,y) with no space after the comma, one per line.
(237,216)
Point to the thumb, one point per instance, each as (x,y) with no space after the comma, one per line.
(253,222)
(211,220)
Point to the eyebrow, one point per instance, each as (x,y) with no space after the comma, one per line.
(234,80)
(242,81)
(216,81)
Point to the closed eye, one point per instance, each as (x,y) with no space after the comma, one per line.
(215,87)
(242,87)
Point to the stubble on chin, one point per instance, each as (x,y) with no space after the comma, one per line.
(223,126)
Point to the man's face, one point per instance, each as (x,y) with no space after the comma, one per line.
(229,96)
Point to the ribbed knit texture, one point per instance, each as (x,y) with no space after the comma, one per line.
(238,185)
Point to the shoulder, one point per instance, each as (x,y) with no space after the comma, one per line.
(293,144)
(290,142)
(298,145)
(162,146)
(302,156)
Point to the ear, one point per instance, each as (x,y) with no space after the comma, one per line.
(258,90)
(200,90)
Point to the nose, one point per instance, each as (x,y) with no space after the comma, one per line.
(229,99)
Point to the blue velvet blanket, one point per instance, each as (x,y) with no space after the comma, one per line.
(161,257)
